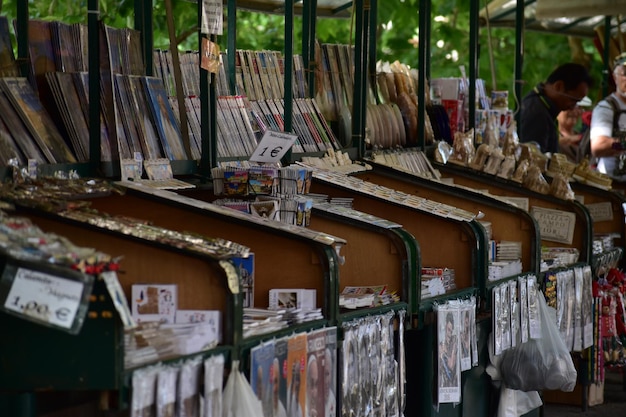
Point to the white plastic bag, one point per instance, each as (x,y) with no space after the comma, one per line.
(238,398)
(515,403)
(540,364)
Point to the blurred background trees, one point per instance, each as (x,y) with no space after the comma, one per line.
(397,36)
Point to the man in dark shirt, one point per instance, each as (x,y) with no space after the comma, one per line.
(564,88)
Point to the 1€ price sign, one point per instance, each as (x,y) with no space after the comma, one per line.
(44,298)
(273,146)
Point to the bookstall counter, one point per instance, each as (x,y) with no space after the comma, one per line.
(94,365)
(506,221)
(450,238)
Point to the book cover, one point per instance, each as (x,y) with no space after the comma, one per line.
(8,148)
(296,375)
(261,363)
(279,378)
(19,132)
(126,120)
(37,120)
(164,119)
(246,273)
(41,53)
(81,84)
(449,375)
(316,350)
(148,134)
(330,372)
(68,102)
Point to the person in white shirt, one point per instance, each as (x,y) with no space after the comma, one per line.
(608,126)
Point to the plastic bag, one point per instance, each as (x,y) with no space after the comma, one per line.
(238,398)
(515,403)
(540,364)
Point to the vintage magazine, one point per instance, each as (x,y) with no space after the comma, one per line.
(448,364)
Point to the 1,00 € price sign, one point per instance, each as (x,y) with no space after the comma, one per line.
(44,297)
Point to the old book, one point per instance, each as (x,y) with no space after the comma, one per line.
(63,46)
(8,148)
(167,126)
(246,72)
(81,85)
(40,51)
(148,134)
(296,374)
(37,120)
(261,64)
(226,136)
(302,129)
(19,132)
(68,104)
(255,75)
(126,116)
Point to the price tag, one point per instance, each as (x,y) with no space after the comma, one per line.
(44,298)
(273,146)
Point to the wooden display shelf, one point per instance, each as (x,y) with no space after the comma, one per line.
(583,230)
(444,242)
(94,359)
(508,222)
(285,257)
(375,255)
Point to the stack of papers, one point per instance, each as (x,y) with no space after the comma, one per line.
(503,269)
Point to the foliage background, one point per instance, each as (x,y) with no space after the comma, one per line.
(397,36)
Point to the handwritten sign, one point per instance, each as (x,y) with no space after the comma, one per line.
(555,225)
(600,212)
(212,17)
(44,298)
(273,146)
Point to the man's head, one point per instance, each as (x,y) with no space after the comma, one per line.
(619,74)
(567,85)
(449,327)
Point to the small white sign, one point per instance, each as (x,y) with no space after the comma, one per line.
(555,225)
(212,17)
(44,297)
(600,212)
(273,146)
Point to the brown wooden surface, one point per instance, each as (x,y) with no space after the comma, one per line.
(201,283)
(371,258)
(280,261)
(534,200)
(506,225)
(443,243)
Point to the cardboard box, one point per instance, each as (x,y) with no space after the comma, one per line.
(154,302)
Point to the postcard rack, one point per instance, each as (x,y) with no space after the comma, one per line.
(448,237)
(39,360)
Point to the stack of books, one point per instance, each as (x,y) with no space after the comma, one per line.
(368,296)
